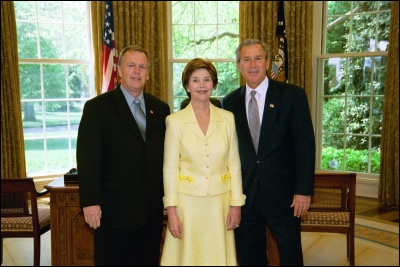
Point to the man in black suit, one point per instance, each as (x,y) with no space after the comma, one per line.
(277,167)
(121,171)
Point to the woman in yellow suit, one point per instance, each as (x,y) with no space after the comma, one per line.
(202,176)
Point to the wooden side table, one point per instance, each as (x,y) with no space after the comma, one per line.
(71,237)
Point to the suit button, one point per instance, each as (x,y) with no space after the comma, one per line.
(258,162)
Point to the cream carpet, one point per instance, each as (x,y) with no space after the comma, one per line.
(377,244)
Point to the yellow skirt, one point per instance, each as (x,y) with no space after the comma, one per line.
(205,241)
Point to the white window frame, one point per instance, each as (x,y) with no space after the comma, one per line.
(40,61)
(367,183)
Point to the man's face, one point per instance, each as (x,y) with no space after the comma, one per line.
(134,72)
(252,65)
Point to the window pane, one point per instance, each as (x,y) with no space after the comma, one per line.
(228,77)
(377,115)
(375,155)
(177,86)
(54,81)
(57,155)
(79,81)
(332,154)
(35,156)
(27,40)
(333,115)
(337,34)
(75,115)
(51,44)
(227,43)
(25,10)
(363,36)
(358,79)
(32,120)
(333,75)
(206,42)
(338,7)
(356,154)
(228,11)
(49,11)
(365,6)
(76,41)
(358,110)
(182,39)
(29,77)
(385,5)
(380,67)
(56,118)
(206,12)
(182,12)
(74,11)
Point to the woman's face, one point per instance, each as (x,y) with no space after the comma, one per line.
(200,85)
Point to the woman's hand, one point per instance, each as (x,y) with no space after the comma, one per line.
(234,217)
(174,223)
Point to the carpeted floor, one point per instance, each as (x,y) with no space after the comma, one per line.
(376,244)
(380,233)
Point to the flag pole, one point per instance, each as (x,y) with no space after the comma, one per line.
(279,69)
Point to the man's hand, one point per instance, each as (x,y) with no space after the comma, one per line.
(92,216)
(300,204)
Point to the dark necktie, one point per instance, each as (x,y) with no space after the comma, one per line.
(254,120)
(140,118)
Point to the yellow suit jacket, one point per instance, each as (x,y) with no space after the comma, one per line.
(198,164)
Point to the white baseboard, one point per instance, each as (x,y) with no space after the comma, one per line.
(367,187)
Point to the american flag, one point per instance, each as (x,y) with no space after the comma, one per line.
(110,54)
(279,69)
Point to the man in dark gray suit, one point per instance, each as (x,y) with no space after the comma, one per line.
(120,165)
(278,165)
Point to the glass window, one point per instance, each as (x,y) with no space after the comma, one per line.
(350,85)
(206,29)
(56,77)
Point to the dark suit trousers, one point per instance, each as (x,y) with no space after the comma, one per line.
(128,247)
(251,236)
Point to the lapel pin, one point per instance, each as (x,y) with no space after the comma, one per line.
(271,105)
(151,112)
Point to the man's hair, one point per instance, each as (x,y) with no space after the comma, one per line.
(133,48)
(248,42)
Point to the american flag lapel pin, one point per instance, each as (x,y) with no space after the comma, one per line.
(271,105)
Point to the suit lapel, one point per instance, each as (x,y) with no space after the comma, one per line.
(271,109)
(125,112)
(215,118)
(242,124)
(190,118)
(150,116)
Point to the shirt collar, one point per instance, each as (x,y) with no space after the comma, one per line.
(261,89)
(129,98)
